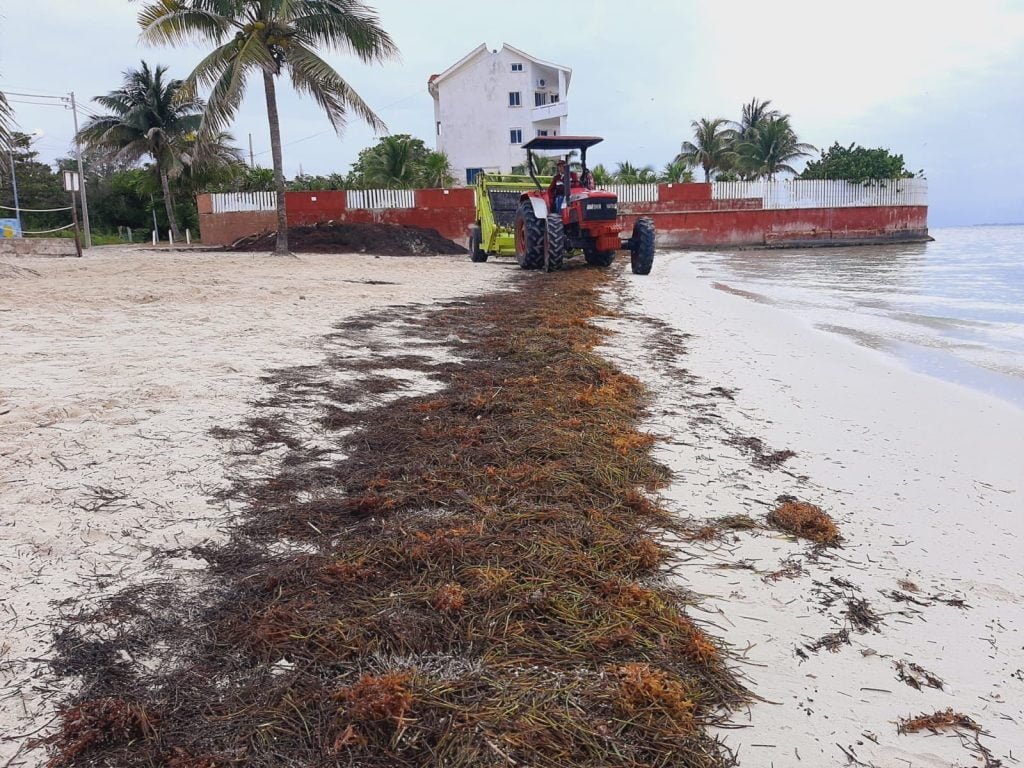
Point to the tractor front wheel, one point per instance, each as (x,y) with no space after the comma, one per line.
(597,258)
(476,252)
(529,237)
(642,247)
(554,243)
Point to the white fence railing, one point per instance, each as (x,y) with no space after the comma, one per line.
(380,198)
(634,193)
(232,202)
(799,193)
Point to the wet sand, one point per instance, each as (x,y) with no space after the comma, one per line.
(924,478)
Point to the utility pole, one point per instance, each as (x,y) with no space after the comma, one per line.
(81,175)
(252,157)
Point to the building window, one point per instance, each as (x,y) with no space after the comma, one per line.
(541,133)
(554,98)
(516,136)
(438,127)
(517,67)
(514,99)
(539,99)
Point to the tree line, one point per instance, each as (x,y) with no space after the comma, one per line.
(159,140)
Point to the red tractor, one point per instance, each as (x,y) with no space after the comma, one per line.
(570,216)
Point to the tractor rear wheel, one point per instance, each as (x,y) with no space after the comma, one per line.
(554,243)
(642,247)
(476,253)
(529,237)
(597,258)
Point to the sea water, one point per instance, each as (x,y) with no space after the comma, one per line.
(952,308)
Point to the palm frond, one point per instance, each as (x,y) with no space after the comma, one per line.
(312,75)
(229,89)
(346,26)
(184,21)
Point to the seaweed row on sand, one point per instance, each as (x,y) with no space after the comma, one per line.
(465,578)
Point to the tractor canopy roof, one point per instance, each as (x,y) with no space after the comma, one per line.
(562,142)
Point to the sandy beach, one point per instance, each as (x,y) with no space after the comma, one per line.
(924,478)
(116,367)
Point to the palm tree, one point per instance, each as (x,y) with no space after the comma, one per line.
(675,172)
(146,116)
(271,37)
(392,164)
(601,175)
(771,147)
(752,116)
(436,170)
(712,147)
(627,173)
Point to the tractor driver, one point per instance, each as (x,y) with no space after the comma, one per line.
(557,186)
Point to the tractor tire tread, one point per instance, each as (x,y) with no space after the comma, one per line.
(554,243)
(532,254)
(642,251)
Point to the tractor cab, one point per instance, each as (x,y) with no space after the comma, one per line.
(570,216)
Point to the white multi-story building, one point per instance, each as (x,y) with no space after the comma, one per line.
(487,104)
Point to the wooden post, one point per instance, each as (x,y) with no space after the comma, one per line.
(74,221)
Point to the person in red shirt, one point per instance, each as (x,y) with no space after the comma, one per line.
(557,187)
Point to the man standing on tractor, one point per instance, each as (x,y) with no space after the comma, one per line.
(556,190)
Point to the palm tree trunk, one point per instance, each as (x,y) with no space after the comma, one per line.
(281,248)
(169,205)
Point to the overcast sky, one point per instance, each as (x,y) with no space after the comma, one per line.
(941,83)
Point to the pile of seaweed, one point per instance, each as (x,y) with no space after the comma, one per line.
(336,237)
(476,582)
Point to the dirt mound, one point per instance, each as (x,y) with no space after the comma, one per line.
(381,239)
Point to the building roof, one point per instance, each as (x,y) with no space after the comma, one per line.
(482,48)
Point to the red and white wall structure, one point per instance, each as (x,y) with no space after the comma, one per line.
(721,214)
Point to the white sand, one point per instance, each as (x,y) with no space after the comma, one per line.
(114,368)
(926,480)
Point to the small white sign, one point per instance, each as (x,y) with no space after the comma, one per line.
(70,181)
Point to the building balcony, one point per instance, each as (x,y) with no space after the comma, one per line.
(549,111)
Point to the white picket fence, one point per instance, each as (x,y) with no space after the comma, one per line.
(633,193)
(799,193)
(380,198)
(234,202)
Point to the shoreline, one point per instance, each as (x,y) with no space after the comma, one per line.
(922,477)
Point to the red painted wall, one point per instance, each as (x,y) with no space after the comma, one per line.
(685,215)
(775,227)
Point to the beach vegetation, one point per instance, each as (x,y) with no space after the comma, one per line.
(149,116)
(627,173)
(857,164)
(400,161)
(271,38)
(713,147)
(675,172)
(770,148)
